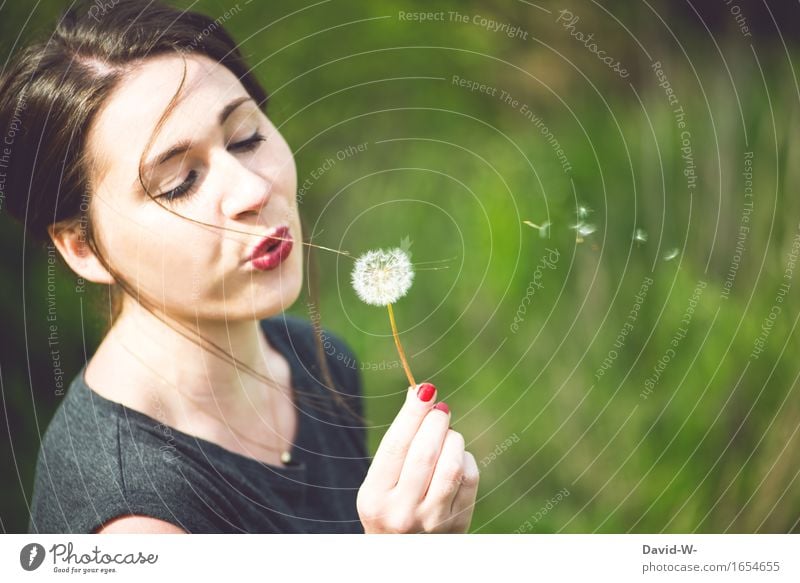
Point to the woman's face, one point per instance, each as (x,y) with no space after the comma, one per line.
(225,176)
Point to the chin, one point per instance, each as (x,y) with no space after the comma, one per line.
(276,299)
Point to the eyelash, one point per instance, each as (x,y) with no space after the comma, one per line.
(185,188)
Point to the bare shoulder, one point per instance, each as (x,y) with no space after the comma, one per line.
(136,523)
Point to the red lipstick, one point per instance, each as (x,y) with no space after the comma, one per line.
(272,250)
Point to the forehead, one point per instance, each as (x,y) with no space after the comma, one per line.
(129,117)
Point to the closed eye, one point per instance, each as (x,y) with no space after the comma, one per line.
(184,189)
(248,144)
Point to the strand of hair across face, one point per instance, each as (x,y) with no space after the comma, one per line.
(308,243)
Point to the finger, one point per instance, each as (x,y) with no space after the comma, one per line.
(391,453)
(448,473)
(464,501)
(423,454)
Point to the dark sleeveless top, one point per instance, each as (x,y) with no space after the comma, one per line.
(100,459)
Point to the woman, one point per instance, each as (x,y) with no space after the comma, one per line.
(148,161)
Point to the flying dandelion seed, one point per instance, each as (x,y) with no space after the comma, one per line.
(671,254)
(544,228)
(380,278)
(405,245)
(583,230)
(583,211)
(640,236)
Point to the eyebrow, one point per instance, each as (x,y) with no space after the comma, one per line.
(184,145)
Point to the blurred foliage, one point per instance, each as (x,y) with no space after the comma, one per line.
(714,446)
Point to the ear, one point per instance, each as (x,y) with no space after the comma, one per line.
(70,240)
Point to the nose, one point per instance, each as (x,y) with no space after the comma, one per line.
(245,192)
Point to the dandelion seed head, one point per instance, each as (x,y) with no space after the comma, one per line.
(381,277)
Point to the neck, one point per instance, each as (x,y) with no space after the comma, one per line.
(164,354)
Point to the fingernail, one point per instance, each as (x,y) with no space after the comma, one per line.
(425,392)
(442,406)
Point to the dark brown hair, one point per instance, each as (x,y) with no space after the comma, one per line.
(51,92)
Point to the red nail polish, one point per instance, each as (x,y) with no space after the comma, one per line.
(425,392)
(442,406)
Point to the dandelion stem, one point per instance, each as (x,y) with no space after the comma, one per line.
(400,347)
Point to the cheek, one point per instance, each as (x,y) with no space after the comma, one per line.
(288,170)
(290,167)
(166,256)
(183,253)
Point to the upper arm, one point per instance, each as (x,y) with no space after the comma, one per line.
(136,523)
